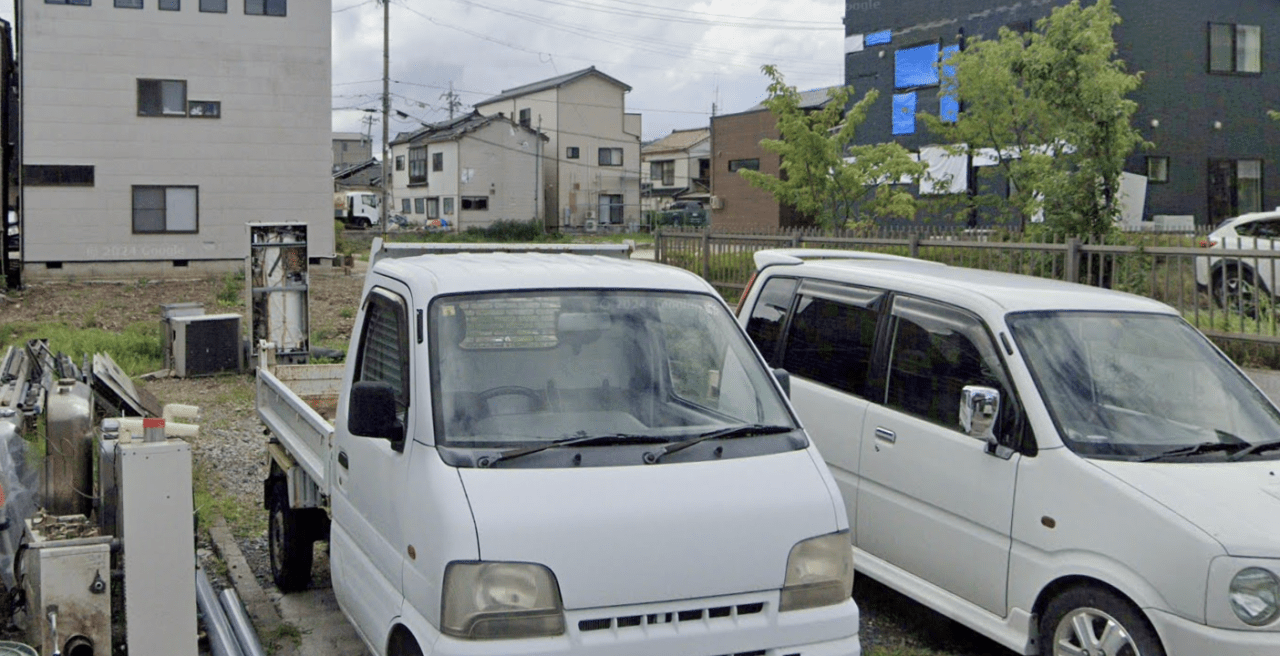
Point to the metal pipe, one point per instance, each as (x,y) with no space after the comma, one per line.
(52,613)
(78,646)
(240,623)
(222,640)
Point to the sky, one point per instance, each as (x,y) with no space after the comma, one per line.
(680,58)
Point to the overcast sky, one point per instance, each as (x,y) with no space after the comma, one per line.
(679,58)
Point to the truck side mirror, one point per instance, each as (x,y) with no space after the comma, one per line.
(784,379)
(979,407)
(372,413)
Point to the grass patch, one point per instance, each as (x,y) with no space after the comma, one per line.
(283,634)
(899,650)
(137,348)
(244,520)
(232,293)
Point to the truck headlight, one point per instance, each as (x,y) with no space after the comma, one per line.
(1254,595)
(495,600)
(819,573)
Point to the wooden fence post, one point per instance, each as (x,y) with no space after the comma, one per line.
(914,244)
(1072,265)
(657,245)
(706,255)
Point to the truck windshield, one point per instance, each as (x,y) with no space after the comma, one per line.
(522,369)
(1141,387)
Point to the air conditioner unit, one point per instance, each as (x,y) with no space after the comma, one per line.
(591,225)
(591,214)
(717,203)
(206,344)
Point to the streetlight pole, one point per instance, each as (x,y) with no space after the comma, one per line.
(386,110)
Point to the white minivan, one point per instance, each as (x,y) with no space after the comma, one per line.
(1068,470)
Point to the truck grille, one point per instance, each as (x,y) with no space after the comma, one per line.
(692,615)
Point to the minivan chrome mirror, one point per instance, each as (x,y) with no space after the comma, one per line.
(979,407)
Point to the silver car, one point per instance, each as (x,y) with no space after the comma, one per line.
(1246,280)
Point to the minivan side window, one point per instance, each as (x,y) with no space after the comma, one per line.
(936,351)
(768,316)
(832,337)
(383,354)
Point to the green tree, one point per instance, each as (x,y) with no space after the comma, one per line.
(1053,107)
(824,177)
(1274,114)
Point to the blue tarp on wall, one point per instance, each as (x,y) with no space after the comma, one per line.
(879,38)
(916,67)
(904,113)
(949,105)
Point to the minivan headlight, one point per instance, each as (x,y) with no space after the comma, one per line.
(497,600)
(819,573)
(1255,596)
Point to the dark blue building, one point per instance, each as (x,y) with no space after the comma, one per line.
(1211,70)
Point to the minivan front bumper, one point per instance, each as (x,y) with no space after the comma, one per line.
(1182,637)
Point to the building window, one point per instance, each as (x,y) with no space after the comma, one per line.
(1235,188)
(418,165)
(571,152)
(215,6)
(448,206)
(162,97)
(129,4)
(170,5)
(433,207)
(526,117)
(611,206)
(165,209)
(264,7)
(474,203)
(1235,48)
(204,109)
(399,162)
(43,175)
(437,161)
(1157,169)
(82,3)
(405,206)
(419,206)
(663,172)
(739,164)
(610,157)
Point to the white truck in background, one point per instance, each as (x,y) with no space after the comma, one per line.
(356,209)
(554,450)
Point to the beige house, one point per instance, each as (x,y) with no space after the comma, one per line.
(676,167)
(591,163)
(351,149)
(467,172)
(154,131)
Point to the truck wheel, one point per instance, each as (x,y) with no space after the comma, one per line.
(289,542)
(361,223)
(1093,620)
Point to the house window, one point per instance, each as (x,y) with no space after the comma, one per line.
(611,206)
(162,97)
(264,7)
(418,165)
(165,209)
(663,172)
(215,6)
(204,109)
(405,206)
(419,206)
(1235,188)
(399,162)
(1235,48)
(610,157)
(42,175)
(82,3)
(129,4)
(475,203)
(571,152)
(170,5)
(1157,169)
(448,206)
(433,207)
(526,117)
(749,164)
(437,161)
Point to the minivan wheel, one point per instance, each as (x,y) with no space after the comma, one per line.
(1236,288)
(289,542)
(1093,621)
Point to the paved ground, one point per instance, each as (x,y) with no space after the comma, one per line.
(325,630)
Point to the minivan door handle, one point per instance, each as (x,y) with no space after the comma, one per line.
(342,459)
(886,435)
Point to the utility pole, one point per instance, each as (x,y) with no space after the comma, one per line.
(537,173)
(386,111)
(451,100)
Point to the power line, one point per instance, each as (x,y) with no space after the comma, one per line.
(696,18)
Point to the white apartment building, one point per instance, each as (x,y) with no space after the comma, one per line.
(467,172)
(591,172)
(676,167)
(154,130)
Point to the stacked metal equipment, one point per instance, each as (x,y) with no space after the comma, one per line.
(277,290)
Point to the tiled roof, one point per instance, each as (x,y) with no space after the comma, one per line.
(678,140)
(550,83)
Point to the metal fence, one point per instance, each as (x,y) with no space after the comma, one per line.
(1229,299)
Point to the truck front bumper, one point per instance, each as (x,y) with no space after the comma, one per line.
(1182,637)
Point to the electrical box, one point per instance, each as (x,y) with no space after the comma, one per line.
(205,344)
(155,508)
(169,311)
(67,583)
(278,290)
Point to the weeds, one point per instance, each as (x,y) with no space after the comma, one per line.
(232,293)
(244,520)
(137,348)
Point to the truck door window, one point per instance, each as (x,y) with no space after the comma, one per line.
(383,354)
(831,337)
(770,313)
(936,351)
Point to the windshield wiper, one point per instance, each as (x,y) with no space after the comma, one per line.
(581,440)
(1196,449)
(1257,448)
(747,430)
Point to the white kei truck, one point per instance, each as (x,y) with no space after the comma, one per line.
(553,449)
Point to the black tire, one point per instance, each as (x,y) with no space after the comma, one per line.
(1101,613)
(289,542)
(362,223)
(1237,287)
(403,644)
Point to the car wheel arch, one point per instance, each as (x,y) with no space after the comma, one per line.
(1067,582)
(402,642)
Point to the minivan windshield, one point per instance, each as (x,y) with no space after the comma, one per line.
(525,369)
(1142,387)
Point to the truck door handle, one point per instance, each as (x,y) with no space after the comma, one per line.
(342,459)
(886,435)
